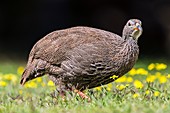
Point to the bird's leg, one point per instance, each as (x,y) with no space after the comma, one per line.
(82,95)
(61,88)
(63,95)
(59,93)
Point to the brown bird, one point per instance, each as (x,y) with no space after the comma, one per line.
(80,58)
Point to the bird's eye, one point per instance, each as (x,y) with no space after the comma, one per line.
(129,24)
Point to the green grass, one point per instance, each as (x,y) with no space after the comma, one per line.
(43,100)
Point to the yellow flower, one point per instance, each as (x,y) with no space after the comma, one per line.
(162,79)
(3,83)
(120,87)
(138,84)
(50,83)
(160,66)
(10,77)
(20,70)
(150,78)
(136,95)
(121,79)
(147,92)
(151,66)
(129,79)
(141,71)
(31,84)
(98,88)
(132,72)
(114,77)
(39,79)
(156,93)
(109,87)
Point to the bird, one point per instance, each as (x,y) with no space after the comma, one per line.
(80,58)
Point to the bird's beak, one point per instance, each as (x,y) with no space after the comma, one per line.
(137,31)
(138,28)
(23,81)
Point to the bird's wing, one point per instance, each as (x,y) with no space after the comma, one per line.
(53,47)
(92,61)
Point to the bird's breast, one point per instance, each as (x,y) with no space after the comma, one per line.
(127,57)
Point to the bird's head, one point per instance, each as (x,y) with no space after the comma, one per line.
(133,29)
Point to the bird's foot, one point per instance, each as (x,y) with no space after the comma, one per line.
(82,95)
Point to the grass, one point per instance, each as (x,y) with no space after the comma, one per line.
(124,95)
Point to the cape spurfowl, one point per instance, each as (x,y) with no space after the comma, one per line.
(80,58)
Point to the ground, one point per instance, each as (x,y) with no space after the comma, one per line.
(145,89)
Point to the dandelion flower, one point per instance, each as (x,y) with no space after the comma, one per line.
(132,72)
(156,93)
(3,83)
(120,87)
(20,70)
(151,66)
(50,83)
(129,79)
(31,84)
(160,66)
(147,92)
(150,78)
(138,84)
(141,71)
(39,79)
(10,77)
(98,88)
(162,79)
(136,95)
(109,87)
(121,79)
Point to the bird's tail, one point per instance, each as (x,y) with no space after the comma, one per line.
(31,71)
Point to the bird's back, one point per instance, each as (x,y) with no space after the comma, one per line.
(54,46)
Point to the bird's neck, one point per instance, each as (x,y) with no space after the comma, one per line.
(129,37)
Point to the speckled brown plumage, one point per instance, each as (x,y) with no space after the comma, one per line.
(84,57)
